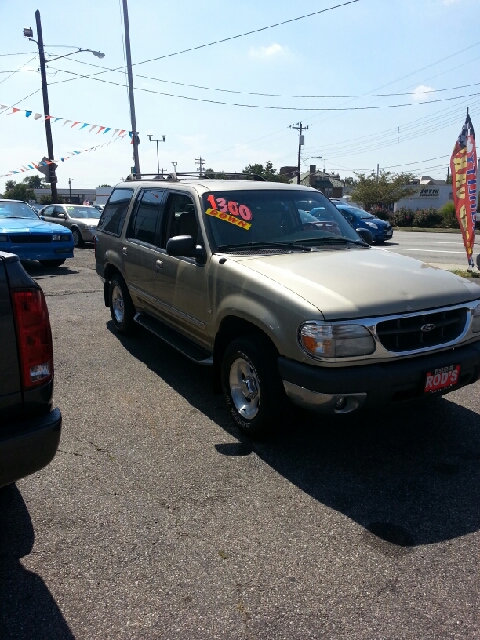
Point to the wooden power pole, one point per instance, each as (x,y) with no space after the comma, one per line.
(135,140)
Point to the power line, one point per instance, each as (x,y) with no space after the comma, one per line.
(18,70)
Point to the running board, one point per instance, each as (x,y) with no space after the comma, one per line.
(174,339)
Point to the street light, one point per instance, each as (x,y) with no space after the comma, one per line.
(28,33)
(149,135)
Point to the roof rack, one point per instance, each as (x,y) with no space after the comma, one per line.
(177,177)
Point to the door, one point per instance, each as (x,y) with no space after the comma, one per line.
(181,282)
(142,253)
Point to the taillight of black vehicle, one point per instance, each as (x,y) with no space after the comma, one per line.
(34,337)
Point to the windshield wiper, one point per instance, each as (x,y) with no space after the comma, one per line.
(337,240)
(259,245)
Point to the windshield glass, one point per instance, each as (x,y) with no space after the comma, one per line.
(236,218)
(84,212)
(16,210)
(355,211)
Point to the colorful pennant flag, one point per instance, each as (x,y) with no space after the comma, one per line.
(463,165)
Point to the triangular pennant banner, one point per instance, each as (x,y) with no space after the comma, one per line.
(100,129)
(94,126)
(37,116)
(28,114)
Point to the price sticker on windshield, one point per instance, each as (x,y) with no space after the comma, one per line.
(230,211)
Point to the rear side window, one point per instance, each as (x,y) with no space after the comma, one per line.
(145,222)
(113,215)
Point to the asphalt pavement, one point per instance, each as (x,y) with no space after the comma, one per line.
(441,249)
(157,520)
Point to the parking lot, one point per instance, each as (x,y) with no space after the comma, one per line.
(157,519)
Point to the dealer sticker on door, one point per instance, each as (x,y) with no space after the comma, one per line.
(442,378)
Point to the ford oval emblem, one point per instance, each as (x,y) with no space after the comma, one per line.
(427,327)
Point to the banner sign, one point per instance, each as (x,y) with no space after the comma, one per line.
(31,166)
(97,128)
(463,165)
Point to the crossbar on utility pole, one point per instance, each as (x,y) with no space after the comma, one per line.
(300,128)
(136,160)
(200,161)
(46,108)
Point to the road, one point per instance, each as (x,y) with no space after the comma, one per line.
(442,249)
(157,520)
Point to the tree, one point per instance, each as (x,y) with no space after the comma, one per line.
(268,172)
(16,191)
(48,200)
(384,191)
(35,182)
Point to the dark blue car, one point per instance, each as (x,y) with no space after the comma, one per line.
(22,232)
(360,219)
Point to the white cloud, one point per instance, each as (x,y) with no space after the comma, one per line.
(422,93)
(267,52)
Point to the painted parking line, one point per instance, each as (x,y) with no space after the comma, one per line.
(431,250)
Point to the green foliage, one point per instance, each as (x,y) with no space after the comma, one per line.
(268,172)
(449,218)
(48,200)
(384,191)
(380,212)
(16,191)
(402,218)
(427,218)
(35,182)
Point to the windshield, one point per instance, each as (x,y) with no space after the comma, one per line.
(17,210)
(355,211)
(238,218)
(84,212)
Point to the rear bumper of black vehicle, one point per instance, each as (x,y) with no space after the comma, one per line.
(26,447)
(343,390)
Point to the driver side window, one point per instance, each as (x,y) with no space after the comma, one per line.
(181,219)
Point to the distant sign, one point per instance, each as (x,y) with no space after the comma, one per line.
(428,193)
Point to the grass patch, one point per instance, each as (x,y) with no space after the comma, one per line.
(466,274)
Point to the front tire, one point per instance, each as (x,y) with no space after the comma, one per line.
(51,263)
(77,237)
(121,305)
(252,386)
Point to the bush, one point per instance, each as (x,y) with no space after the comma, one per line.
(380,212)
(48,200)
(427,218)
(402,217)
(449,216)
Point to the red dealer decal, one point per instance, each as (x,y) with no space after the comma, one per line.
(230,206)
(222,215)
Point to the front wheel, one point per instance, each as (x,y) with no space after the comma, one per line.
(121,305)
(51,263)
(252,386)
(77,237)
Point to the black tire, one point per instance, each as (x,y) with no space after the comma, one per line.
(52,263)
(77,237)
(263,396)
(121,305)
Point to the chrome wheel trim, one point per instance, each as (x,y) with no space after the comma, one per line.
(118,306)
(244,388)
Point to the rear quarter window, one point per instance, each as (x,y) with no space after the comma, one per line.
(113,216)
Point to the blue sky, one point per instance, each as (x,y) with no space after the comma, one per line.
(366,48)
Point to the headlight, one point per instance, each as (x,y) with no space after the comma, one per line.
(371,224)
(476,319)
(321,340)
(60,237)
(3,238)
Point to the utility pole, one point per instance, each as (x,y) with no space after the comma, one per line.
(162,139)
(378,171)
(200,161)
(46,108)
(300,128)
(70,188)
(135,140)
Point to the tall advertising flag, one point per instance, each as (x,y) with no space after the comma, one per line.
(463,165)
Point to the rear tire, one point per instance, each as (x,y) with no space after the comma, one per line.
(252,386)
(52,263)
(121,305)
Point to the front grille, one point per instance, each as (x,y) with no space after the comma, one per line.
(26,238)
(405,334)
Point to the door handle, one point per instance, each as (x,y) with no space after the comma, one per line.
(124,251)
(158,265)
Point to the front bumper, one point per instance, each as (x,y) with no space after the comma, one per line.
(47,251)
(26,447)
(343,390)
(88,234)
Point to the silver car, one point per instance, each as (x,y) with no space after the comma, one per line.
(82,220)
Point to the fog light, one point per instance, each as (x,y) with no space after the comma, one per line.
(341,404)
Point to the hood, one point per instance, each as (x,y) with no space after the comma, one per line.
(29,225)
(360,283)
(88,222)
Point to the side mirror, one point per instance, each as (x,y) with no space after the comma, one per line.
(63,216)
(365,235)
(184,246)
(42,218)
